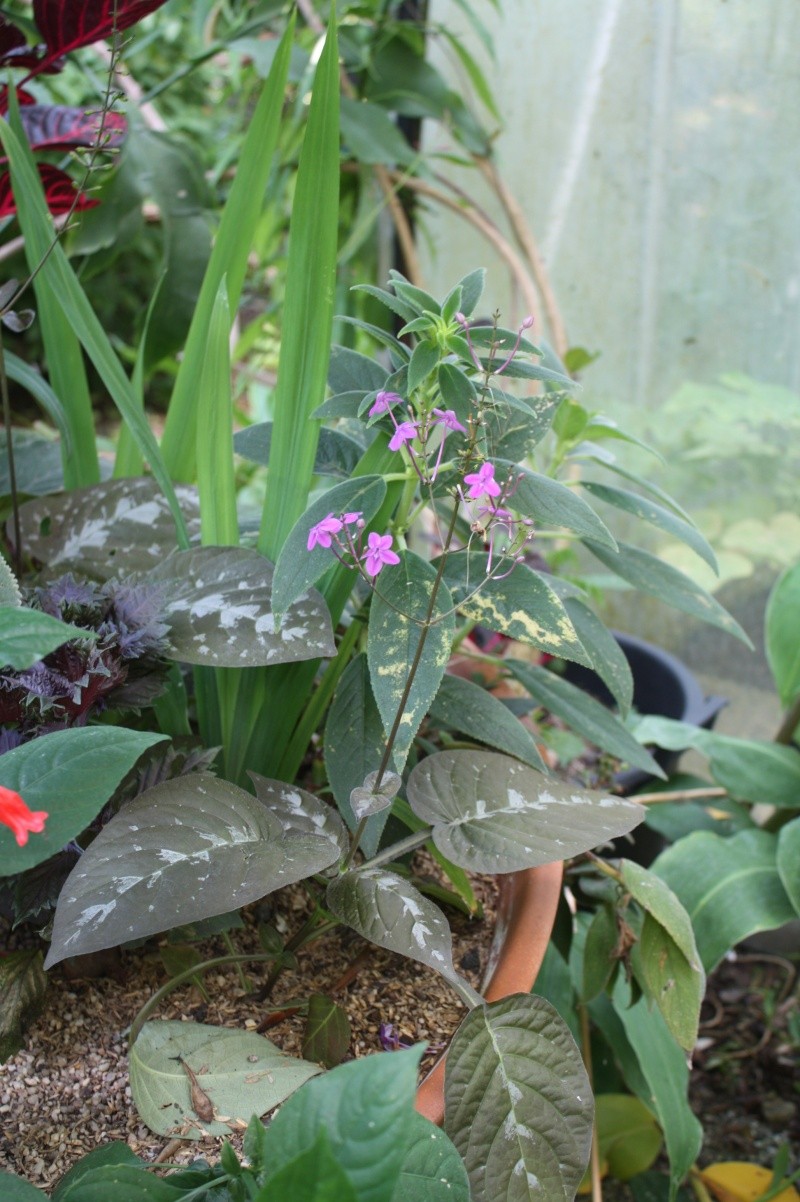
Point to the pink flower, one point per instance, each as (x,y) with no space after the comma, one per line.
(448,419)
(384,402)
(380,553)
(15,814)
(321,534)
(350,518)
(404,432)
(482,483)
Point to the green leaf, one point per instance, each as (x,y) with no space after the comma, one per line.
(312,1176)
(518,1104)
(657,515)
(650,575)
(366,1107)
(126,1181)
(458,391)
(432,1171)
(217,602)
(34,382)
(606,655)
(240,1074)
(297,567)
(393,643)
(232,245)
(657,899)
(70,774)
(475,712)
(627,1133)
(23,984)
(110,1155)
(327,1034)
(184,850)
(37,463)
(27,635)
(782,634)
(371,134)
(216,487)
(301,813)
(599,961)
(472,286)
(514,433)
(351,372)
(788,860)
(337,453)
(119,526)
(551,503)
(730,888)
(663,1065)
(665,976)
(423,361)
(493,814)
(14,1189)
(583,714)
(522,605)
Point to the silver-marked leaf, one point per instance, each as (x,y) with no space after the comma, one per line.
(121,526)
(606,655)
(185,850)
(366,799)
(583,714)
(475,712)
(70,775)
(521,605)
(297,567)
(300,812)
(493,814)
(433,1171)
(354,743)
(551,503)
(337,454)
(390,912)
(27,635)
(518,1104)
(656,515)
(651,575)
(394,640)
(217,602)
(236,1074)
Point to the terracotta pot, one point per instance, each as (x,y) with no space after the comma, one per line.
(526,912)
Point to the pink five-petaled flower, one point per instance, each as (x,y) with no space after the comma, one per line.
(322,534)
(404,432)
(482,483)
(384,401)
(448,419)
(379,553)
(16,815)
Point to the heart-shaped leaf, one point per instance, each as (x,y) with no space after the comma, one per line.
(234,1074)
(184,850)
(217,604)
(493,814)
(300,812)
(366,799)
(26,635)
(518,1104)
(23,984)
(70,774)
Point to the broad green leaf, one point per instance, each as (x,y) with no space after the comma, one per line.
(657,515)
(366,1107)
(71,775)
(666,1075)
(217,602)
(522,605)
(184,850)
(657,899)
(551,503)
(493,814)
(782,634)
(120,526)
(667,977)
(37,463)
(23,984)
(301,812)
(475,712)
(583,714)
(423,361)
(14,1189)
(730,888)
(628,1134)
(789,860)
(518,1104)
(554,984)
(605,653)
(372,796)
(27,635)
(650,575)
(240,1074)
(432,1171)
(308,307)
(350,371)
(393,644)
(232,245)
(337,453)
(354,743)
(313,1176)
(327,1034)
(110,1155)
(297,567)
(372,136)
(389,911)
(514,433)
(124,1181)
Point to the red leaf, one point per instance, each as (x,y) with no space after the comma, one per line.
(23,97)
(49,126)
(67,24)
(59,192)
(14,49)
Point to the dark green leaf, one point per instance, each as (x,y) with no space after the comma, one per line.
(475,712)
(23,984)
(372,136)
(37,463)
(313,1176)
(337,454)
(107,1155)
(657,515)
(668,979)
(350,371)
(599,960)
(327,1034)
(606,655)
(551,503)
(27,635)
(433,1171)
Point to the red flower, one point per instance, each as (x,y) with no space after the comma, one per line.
(16,815)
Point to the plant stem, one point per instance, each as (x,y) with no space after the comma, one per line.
(679,795)
(12,473)
(790,723)
(410,843)
(586,1050)
(243,981)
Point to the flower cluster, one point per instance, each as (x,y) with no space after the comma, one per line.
(414,430)
(378,551)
